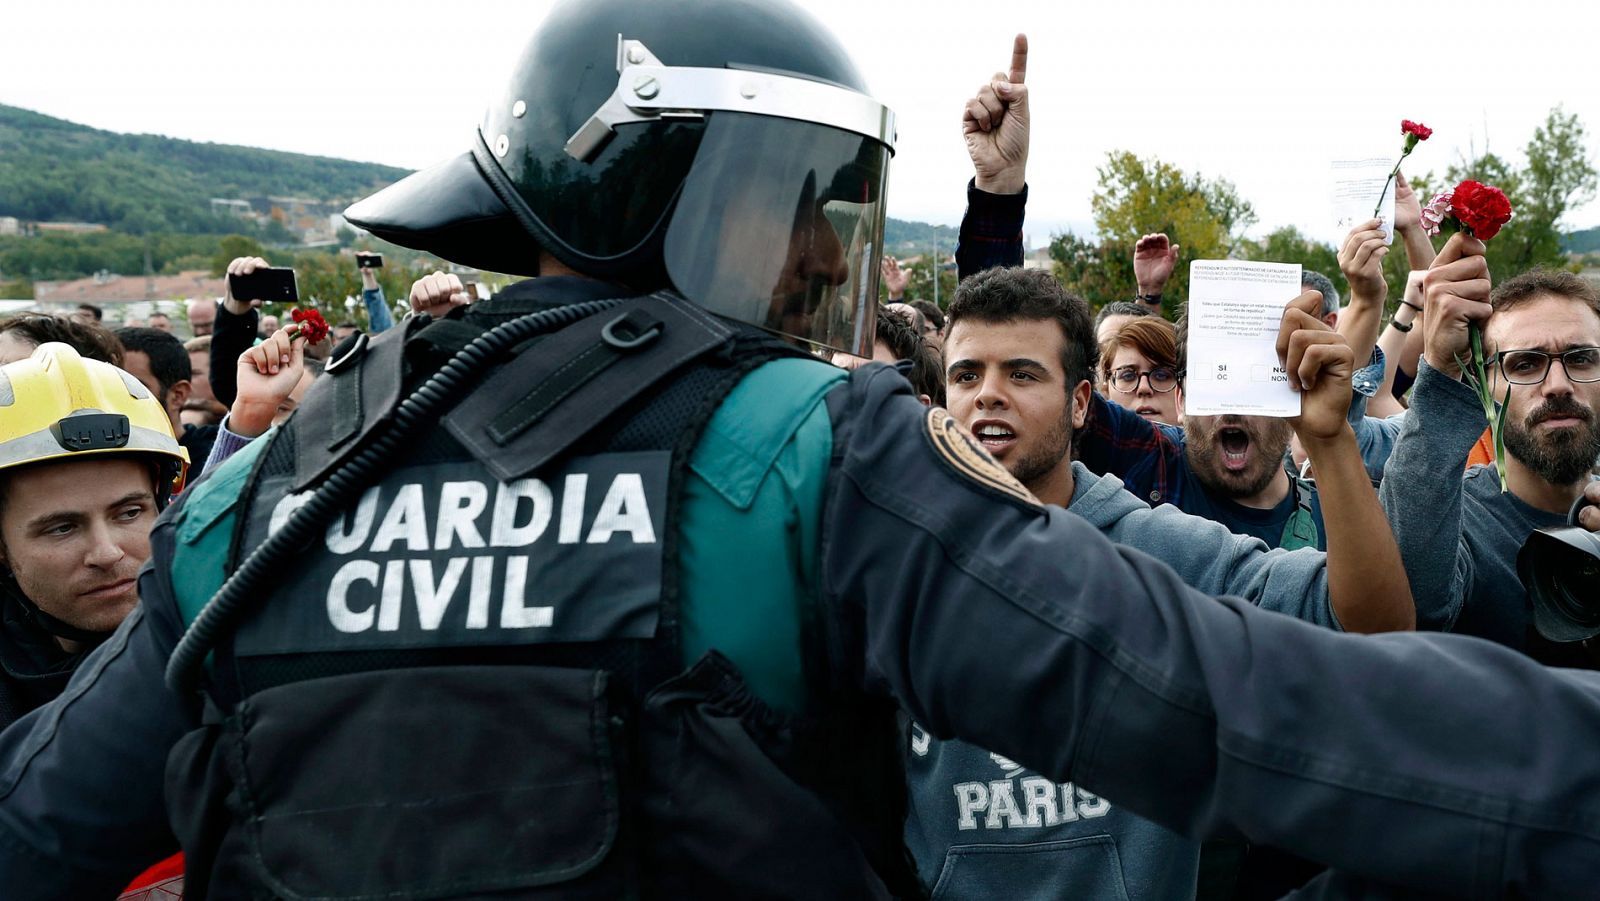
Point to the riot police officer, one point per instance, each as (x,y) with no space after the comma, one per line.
(602,588)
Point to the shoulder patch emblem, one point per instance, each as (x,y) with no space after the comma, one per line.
(962,453)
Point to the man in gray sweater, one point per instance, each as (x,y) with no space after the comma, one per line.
(1019,354)
(1541,333)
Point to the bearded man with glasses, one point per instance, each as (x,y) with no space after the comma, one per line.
(1541,331)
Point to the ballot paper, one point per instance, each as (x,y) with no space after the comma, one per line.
(1356,185)
(1235,307)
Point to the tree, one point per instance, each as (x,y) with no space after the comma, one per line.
(1558,176)
(232,246)
(1092,271)
(1205,216)
(16,289)
(325,280)
(1287,245)
(921,285)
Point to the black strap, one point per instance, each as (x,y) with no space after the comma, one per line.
(347,418)
(56,627)
(344,407)
(579,378)
(626,334)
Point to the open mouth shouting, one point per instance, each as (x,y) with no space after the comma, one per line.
(996,437)
(1235,445)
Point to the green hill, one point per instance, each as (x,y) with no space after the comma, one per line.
(55,170)
(902,236)
(1586,241)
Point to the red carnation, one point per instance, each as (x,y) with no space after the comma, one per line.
(1414,132)
(1482,209)
(311,325)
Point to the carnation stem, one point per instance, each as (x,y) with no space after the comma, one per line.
(1497,433)
(1478,375)
(1389,181)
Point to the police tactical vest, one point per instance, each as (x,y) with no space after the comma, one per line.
(473,684)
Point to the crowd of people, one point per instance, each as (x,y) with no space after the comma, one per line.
(1216,752)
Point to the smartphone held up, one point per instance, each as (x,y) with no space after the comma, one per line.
(274,285)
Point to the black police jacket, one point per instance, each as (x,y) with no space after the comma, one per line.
(34,668)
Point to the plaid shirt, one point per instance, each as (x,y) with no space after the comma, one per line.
(991,230)
(1147,456)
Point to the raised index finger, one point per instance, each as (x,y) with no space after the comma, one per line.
(1019,60)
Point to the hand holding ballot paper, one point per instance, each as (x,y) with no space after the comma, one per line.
(1235,308)
(1257,347)
(1357,186)
(1361,186)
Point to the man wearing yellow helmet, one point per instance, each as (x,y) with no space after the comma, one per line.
(87,460)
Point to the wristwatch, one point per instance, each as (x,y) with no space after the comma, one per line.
(1402,326)
(1153,300)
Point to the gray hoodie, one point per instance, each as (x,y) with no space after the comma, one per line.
(1208,556)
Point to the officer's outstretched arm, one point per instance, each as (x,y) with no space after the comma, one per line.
(1432,761)
(81,778)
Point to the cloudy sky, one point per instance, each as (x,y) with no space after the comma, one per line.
(1262,93)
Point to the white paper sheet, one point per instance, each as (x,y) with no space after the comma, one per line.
(1235,307)
(1356,184)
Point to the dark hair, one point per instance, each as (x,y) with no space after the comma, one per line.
(90,341)
(169,362)
(92,310)
(898,335)
(1007,295)
(930,310)
(1525,287)
(927,373)
(1120,308)
(1316,281)
(158,313)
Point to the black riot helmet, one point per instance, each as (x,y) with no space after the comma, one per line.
(726,149)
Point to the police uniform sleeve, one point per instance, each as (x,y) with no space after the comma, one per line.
(1023,630)
(81,779)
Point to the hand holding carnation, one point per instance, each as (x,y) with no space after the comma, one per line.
(310,325)
(1479,211)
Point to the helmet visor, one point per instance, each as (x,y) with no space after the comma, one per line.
(780,224)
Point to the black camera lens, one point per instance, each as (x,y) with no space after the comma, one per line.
(1560,568)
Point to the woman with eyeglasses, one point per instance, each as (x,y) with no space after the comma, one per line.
(1139,371)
